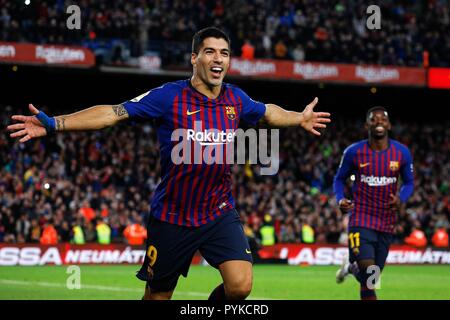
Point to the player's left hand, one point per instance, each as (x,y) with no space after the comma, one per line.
(394,202)
(312,120)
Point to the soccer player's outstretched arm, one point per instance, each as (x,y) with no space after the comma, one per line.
(344,171)
(39,124)
(276,116)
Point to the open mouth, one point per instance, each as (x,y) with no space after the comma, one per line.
(216,71)
(379,129)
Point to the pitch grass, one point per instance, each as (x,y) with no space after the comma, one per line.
(270,282)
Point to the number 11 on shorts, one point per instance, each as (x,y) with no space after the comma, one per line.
(354,239)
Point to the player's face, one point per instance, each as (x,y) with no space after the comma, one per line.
(212,61)
(378,124)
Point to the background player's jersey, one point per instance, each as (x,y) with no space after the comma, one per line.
(196,193)
(376,177)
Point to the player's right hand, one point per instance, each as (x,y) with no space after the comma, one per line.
(346,205)
(28,128)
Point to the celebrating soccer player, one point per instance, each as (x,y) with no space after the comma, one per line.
(192,208)
(377,164)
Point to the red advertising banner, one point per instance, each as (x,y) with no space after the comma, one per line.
(439,78)
(299,254)
(296,254)
(328,72)
(62,254)
(67,254)
(46,54)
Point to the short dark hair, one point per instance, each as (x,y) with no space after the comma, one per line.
(377,108)
(209,32)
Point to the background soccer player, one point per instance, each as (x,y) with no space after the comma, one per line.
(377,164)
(192,208)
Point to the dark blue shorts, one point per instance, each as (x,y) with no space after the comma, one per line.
(170,248)
(368,244)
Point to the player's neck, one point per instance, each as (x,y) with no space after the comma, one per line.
(211,92)
(379,144)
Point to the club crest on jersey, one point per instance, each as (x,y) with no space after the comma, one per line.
(393,165)
(230,112)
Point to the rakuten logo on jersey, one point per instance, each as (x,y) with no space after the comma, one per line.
(212,146)
(210,137)
(378,181)
(200,145)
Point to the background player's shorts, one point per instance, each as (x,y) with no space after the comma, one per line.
(364,243)
(170,248)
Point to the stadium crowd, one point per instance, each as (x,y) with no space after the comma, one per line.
(413,32)
(52,189)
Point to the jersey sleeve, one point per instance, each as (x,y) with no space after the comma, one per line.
(252,111)
(150,105)
(407,174)
(344,171)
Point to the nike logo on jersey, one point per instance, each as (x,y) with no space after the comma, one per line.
(363,165)
(248,251)
(189,113)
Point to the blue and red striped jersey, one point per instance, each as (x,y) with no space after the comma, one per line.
(193,192)
(376,176)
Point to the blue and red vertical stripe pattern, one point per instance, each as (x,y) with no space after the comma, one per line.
(376,178)
(196,193)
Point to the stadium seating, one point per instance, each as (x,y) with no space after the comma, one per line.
(309,29)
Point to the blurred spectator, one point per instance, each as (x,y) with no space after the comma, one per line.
(298,54)
(65,234)
(23,226)
(2,233)
(307,233)
(35,232)
(78,234)
(440,238)
(287,234)
(90,234)
(103,232)
(104,211)
(247,50)
(267,231)
(416,238)
(49,234)
(87,212)
(135,233)
(280,50)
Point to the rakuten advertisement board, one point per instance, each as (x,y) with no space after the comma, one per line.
(297,254)
(328,72)
(13,52)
